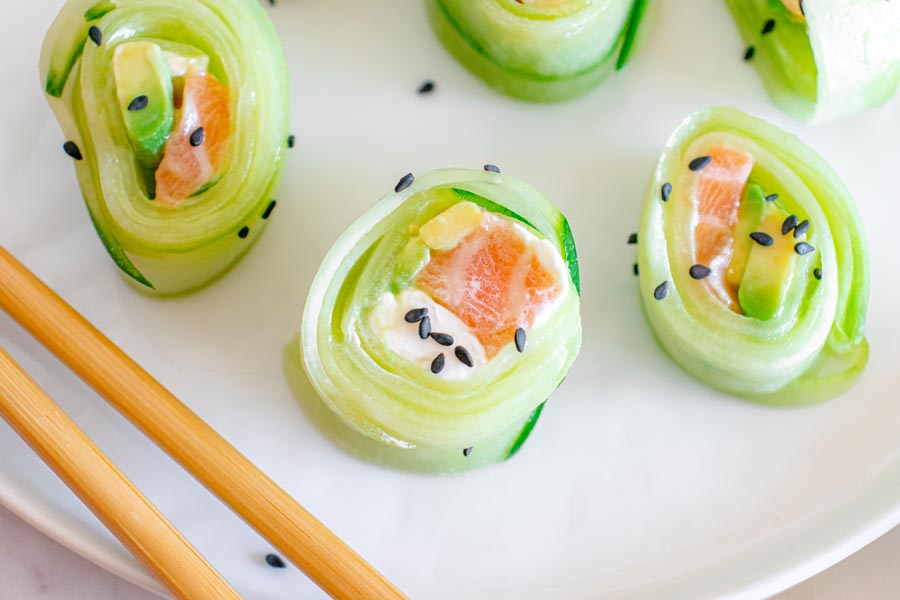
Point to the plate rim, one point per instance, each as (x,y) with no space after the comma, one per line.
(773,579)
(871,503)
(16,501)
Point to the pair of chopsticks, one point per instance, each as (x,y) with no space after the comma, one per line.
(172,426)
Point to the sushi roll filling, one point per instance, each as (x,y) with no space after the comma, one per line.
(177,116)
(480,278)
(740,247)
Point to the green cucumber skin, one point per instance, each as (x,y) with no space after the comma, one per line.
(631,32)
(520,81)
(526,430)
(571,253)
(158,251)
(790,361)
(492,206)
(330,338)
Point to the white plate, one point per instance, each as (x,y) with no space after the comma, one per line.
(638,481)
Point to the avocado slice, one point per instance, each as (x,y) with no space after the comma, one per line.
(410,261)
(750,214)
(445,231)
(144,89)
(770,269)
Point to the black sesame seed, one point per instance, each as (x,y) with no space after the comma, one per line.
(292,139)
(665,191)
(404,182)
(636,271)
(271,2)
(274,561)
(789,224)
(71,148)
(817,273)
(95,34)
(632,239)
(415,315)
(661,291)
(139,103)
(803,248)
(426,87)
(244,232)
(768,26)
(801,228)
(762,238)
(437,365)
(749,53)
(492,168)
(699,271)
(463,356)
(197,136)
(699,163)
(269,209)
(520,339)
(425,328)
(444,339)
(771,197)
(467,451)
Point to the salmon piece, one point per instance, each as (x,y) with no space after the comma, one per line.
(717,194)
(493,281)
(186,165)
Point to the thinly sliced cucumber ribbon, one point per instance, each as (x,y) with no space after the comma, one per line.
(814,347)
(163,248)
(539,51)
(389,399)
(840,57)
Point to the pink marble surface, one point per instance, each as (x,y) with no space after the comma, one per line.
(34,567)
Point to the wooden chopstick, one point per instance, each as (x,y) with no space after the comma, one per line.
(104,489)
(172,426)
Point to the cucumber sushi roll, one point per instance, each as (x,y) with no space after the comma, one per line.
(754,271)
(539,50)
(441,321)
(175,115)
(820,59)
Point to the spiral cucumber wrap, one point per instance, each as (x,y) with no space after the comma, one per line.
(377,391)
(540,51)
(822,59)
(176,113)
(793,331)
